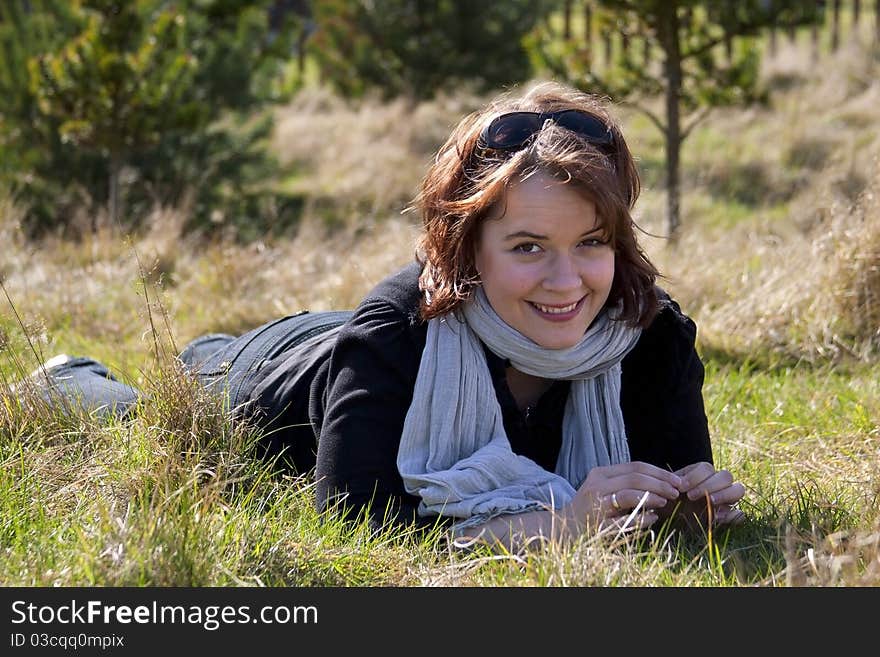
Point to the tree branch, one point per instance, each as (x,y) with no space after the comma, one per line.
(656,120)
(702,114)
(696,52)
(627,5)
(744,28)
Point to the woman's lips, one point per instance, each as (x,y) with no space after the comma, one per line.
(558,313)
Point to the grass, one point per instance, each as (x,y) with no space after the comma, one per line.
(778,265)
(173,498)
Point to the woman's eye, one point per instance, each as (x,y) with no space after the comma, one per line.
(528,247)
(594,241)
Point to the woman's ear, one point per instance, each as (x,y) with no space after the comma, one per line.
(475,262)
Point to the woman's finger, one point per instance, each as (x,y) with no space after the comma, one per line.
(627,499)
(728,515)
(631,522)
(641,483)
(641,468)
(716,482)
(695,474)
(728,495)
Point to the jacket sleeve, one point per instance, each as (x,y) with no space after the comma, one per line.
(368,391)
(662,393)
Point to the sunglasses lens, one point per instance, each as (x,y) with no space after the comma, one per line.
(512,130)
(585,125)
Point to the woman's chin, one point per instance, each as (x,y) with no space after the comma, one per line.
(558,341)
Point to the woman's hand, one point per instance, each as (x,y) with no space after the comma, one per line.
(612,492)
(706,491)
(635,495)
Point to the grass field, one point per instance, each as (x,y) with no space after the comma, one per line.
(779,264)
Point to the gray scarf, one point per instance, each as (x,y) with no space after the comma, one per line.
(454,453)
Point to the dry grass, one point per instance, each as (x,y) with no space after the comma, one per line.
(323,138)
(90,297)
(781,292)
(792,278)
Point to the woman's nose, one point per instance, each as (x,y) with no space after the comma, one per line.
(562,275)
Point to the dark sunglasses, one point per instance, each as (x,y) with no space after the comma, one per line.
(513,130)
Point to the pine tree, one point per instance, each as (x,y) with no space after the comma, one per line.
(138,103)
(116,87)
(417,47)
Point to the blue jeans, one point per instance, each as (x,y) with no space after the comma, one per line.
(223,363)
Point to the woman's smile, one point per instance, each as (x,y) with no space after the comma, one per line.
(558,313)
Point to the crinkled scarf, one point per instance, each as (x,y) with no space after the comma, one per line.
(454,453)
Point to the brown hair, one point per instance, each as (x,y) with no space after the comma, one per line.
(467,180)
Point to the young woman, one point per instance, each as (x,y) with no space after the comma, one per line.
(523,378)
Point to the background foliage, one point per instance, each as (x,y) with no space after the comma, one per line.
(111,109)
(418,48)
(136,105)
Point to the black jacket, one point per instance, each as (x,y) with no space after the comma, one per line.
(351,395)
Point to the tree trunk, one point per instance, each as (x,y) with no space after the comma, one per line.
(669,40)
(113,192)
(609,48)
(566,16)
(301,52)
(814,42)
(588,31)
(877,21)
(835,25)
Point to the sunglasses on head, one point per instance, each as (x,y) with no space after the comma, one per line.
(513,130)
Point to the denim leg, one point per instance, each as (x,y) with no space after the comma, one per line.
(229,370)
(222,363)
(85,384)
(198,351)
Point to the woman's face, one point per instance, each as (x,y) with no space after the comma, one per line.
(545,264)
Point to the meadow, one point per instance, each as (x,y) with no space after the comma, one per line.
(779,265)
